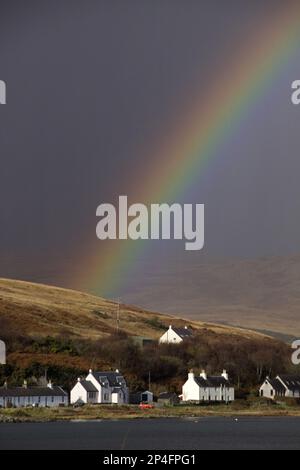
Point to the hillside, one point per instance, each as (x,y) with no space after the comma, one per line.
(39,310)
(262,294)
(63,333)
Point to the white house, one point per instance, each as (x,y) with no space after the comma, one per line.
(18,397)
(205,388)
(2,352)
(101,387)
(175,335)
(282,386)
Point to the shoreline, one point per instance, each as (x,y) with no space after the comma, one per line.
(105,413)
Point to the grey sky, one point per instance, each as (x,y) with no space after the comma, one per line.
(91,85)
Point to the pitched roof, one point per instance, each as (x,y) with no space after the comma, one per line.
(114,378)
(277,385)
(292,382)
(183,332)
(212,381)
(55,391)
(167,395)
(88,386)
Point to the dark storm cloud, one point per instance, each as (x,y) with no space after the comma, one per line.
(91,85)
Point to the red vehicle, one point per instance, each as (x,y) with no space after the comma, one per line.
(146,406)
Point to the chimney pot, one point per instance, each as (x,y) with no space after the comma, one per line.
(224,374)
(203,375)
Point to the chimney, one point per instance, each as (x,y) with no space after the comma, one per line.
(50,385)
(224,374)
(5,384)
(203,375)
(25,384)
(191,374)
(79,379)
(170,327)
(117,371)
(185,327)
(90,371)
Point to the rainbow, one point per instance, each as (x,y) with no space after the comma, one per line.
(181,157)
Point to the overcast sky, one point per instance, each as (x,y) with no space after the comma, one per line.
(91,86)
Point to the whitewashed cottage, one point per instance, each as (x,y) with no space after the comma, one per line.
(18,397)
(101,387)
(175,335)
(205,388)
(282,386)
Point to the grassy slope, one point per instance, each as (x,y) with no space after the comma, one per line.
(36,309)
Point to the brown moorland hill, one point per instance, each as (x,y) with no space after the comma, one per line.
(38,310)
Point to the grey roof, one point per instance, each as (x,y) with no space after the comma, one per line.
(292,382)
(114,378)
(88,386)
(212,382)
(167,395)
(32,392)
(277,385)
(183,332)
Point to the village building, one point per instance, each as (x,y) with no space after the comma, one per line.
(282,386)
(141,397)
(204,388)
(101,387)
(18,397)
(175,335)
(168,398)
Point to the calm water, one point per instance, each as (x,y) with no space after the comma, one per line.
(168,434)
